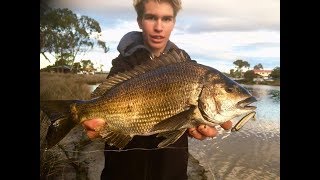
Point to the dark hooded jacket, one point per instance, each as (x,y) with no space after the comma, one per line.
(140,160)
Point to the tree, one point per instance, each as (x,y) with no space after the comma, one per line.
(232,73)
(101,66)
(275,73)
(258,66)
(76,67)
(87,65)
(249,75)
(62,62)
(66,35)
(240,64)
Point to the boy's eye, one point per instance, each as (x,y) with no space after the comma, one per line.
(167,19)
(155,18)
(150,17)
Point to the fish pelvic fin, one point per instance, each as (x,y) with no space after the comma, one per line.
(178,123)
(170,137)
(59,114)
(115,138)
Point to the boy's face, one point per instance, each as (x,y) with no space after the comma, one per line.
(156,24)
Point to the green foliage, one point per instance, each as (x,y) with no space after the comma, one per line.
(275,74)
(238,74)
(62,62)
(240,64)
(76,67)
(258,66)
(249,75)
(232,73)
(86,64)
(65,34)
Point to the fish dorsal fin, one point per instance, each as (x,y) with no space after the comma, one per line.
(171,57)
(110,82)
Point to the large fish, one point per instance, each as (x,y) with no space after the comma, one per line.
(166,96)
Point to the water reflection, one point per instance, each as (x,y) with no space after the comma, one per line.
(93,87)
(268,104)
(251,153)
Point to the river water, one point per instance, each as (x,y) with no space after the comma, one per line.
(251,153)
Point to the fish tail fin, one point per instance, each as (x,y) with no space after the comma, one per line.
(58,111)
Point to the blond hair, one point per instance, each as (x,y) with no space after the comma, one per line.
(139,6)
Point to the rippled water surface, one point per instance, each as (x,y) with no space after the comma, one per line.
(251,153)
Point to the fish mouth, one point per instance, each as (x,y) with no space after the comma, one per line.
(244,104)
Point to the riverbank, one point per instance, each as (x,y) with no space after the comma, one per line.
(269,83)
(60,86)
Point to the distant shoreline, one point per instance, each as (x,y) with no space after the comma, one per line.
(269,83)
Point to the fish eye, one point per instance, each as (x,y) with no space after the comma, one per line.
(229,89)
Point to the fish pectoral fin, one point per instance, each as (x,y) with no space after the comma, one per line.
(171,137)
(174,122)
(114,138)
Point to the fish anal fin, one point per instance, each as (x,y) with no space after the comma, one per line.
(170,137)
(114,138)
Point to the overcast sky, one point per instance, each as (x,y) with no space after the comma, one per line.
(213,32)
